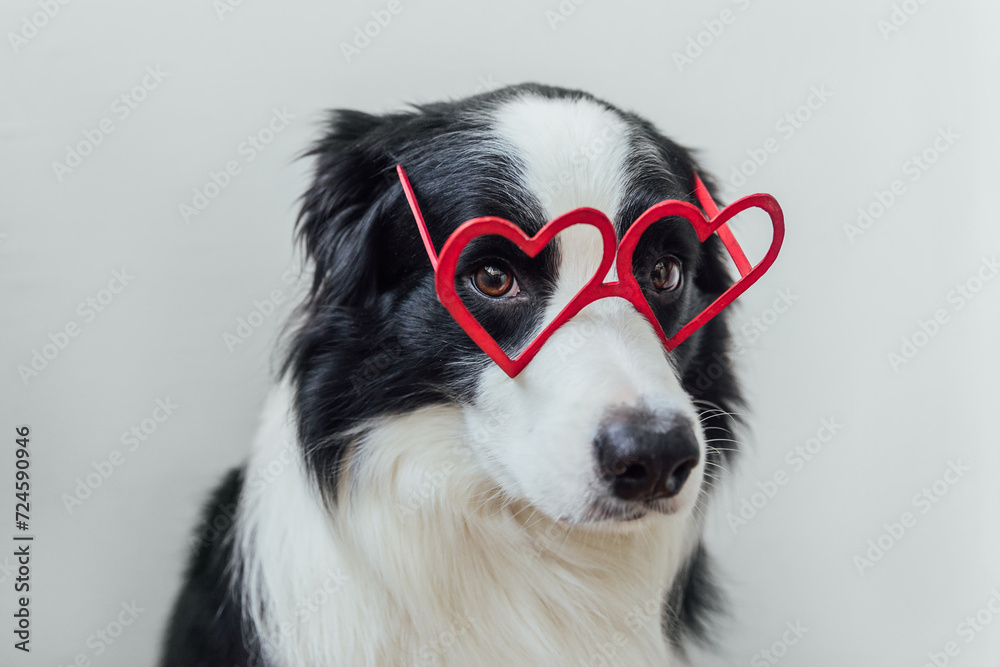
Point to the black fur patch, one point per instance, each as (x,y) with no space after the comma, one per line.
(692,601)
(206,627)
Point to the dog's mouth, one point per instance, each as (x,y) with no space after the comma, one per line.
(609,510)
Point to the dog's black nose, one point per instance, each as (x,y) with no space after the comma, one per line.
(642,462)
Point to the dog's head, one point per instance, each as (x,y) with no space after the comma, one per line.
(603,424)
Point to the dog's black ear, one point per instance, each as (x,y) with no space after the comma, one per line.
(339,223)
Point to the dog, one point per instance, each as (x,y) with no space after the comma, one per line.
(407,502)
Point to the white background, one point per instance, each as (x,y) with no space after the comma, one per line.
(826,357)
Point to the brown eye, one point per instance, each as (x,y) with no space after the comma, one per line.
(495,280)
(666,274)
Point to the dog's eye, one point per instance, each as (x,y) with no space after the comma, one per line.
(666,274)
(495,280)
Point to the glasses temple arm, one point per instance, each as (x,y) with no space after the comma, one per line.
(415,209)
(728,240)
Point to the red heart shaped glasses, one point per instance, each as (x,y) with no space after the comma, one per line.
(619,254)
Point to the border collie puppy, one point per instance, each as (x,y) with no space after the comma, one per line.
(409,503)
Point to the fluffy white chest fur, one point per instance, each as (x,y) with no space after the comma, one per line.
(421,562)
